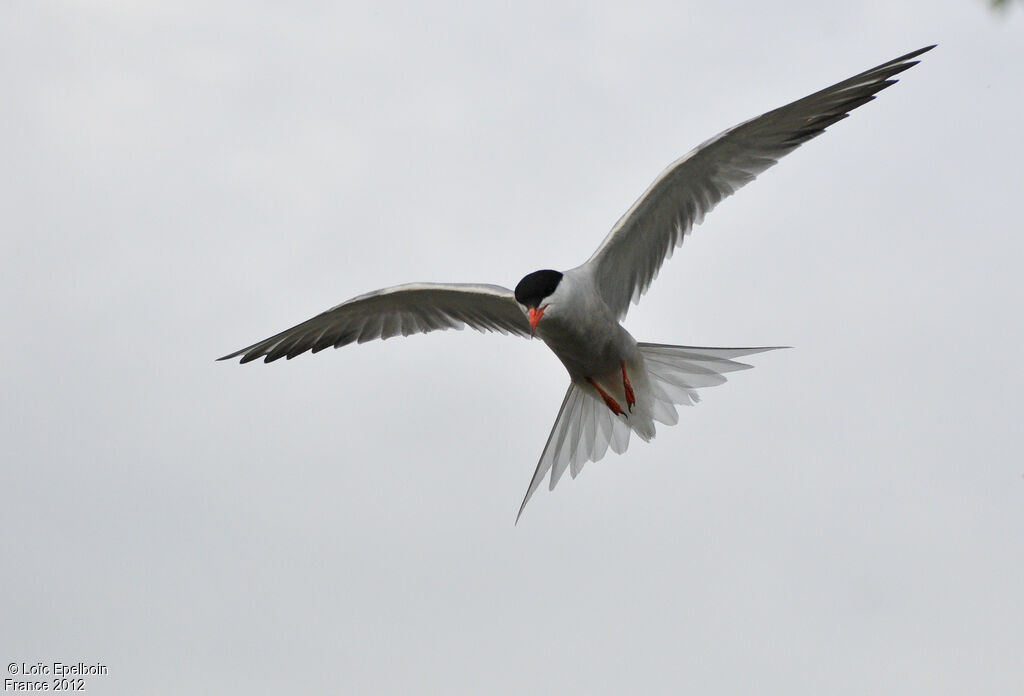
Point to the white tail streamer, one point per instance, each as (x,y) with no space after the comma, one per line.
(585,427)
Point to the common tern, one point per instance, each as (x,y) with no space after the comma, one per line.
(617,385)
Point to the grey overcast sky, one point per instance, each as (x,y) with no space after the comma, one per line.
(180,179)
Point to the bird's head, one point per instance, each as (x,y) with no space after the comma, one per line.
(533,290)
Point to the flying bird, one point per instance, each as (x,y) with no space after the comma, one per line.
(617,385)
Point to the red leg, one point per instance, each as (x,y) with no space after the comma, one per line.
(608,400)
(630,396)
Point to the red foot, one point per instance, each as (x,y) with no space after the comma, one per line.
(608,400)
(630,396)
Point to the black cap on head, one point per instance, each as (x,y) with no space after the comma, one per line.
(536,286)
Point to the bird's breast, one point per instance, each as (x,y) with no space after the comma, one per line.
(587,346)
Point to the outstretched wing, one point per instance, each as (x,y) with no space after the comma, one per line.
(629,257)
(400,310)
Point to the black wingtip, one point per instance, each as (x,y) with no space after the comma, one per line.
(915,54)
(232,356)
(901,64)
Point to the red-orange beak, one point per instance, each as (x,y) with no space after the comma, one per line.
(535,315)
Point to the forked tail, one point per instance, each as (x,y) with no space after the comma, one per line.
(585,427)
